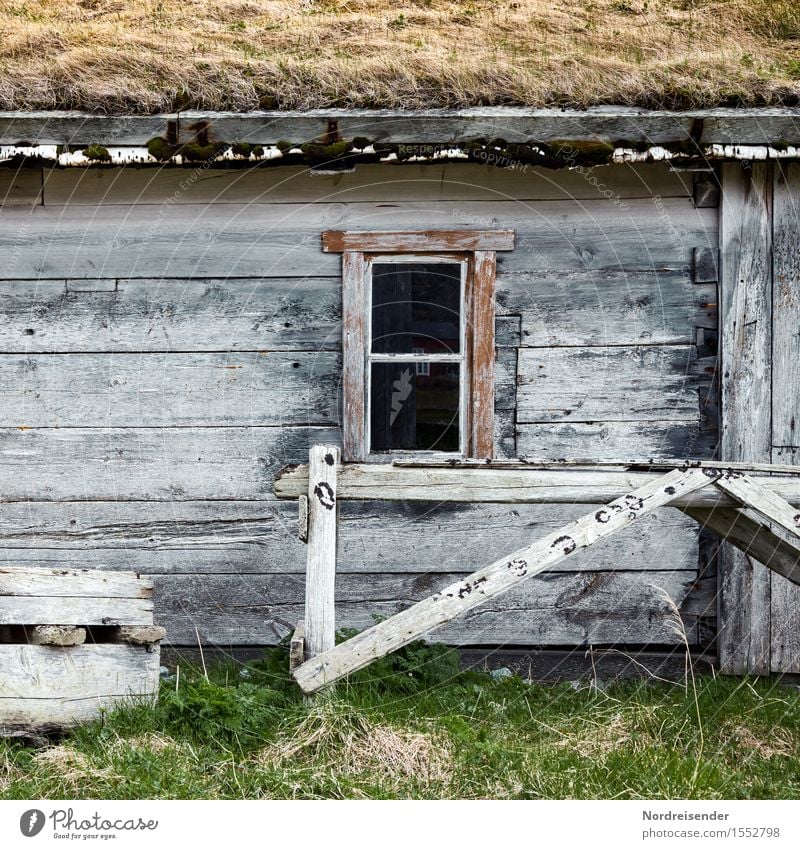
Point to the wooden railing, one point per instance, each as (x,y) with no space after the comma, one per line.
(741,503)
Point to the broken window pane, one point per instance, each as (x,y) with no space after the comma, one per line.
(413,409)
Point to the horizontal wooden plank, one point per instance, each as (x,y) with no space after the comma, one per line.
(235,314)
(165,389)
(81,672)
(73,128)
(550,609)
(86,583)
(601,384)
(611,308)
(159,464)
(508,485)
(196,537)
(74,610)
(284,240)
(399,241)
(607,440)
(20,187)
(387,181)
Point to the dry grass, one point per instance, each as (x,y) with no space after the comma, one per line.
(151,55)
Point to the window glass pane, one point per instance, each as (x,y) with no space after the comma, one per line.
(414,406)
(416,306)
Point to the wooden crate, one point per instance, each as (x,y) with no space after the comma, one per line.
(73,643)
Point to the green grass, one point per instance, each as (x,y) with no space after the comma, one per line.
(413,726)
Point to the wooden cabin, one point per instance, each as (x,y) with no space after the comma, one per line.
(190,301)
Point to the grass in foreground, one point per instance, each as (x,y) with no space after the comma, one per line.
(413,726)
(152,55)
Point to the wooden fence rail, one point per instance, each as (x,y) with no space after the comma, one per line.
(738,507)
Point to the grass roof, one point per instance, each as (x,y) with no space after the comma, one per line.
(163,55)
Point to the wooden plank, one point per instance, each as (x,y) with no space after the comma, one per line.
(76,610)
(284,240)
(297,651)
(236,314)
(393,181)
(607,308)
(81,128)
(20,187)
(552,609)
(405,241)
(53,678)
(482,352)
(149,464)
(608,384)
(355,321)
(50,583)
(56,635)
(753,538)
(492,580)
(253,537)
(604,440)
(785,601)
(153,390)
(509,485)
(759,499)
(745,322)
(320,609)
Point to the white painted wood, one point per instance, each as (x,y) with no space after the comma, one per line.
(493,580)
(48,686)
(69,583)
(756,496)
(320,615)
(395,181)
(56,635)
(169,390)
(532,486)
(283,240)
(61,610)
(746,378)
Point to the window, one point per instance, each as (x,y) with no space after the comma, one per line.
(418,341)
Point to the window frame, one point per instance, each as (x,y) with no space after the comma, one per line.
(477,251)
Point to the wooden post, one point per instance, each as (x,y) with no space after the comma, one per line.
(746,329)
(320,618)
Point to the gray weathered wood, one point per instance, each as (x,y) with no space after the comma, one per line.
(510,485)
(556,608)
(397,181)
(603,440)
(608,384)
(20,187)
(45,686)
(149,464)
(754,495)
(69,583)
(27,610)
(355,322)
(252,537)
(320,610)
(297,646)
(745,322)
(493,580)
(406,241)
(785,598)
(169,390)
(235,314)
(56,635)
(284,240)
(607,308)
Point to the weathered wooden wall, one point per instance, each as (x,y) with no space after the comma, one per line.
(168,339)
(760,317)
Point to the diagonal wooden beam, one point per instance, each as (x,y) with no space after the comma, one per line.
(757,497)
(753,538)
(495,579)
